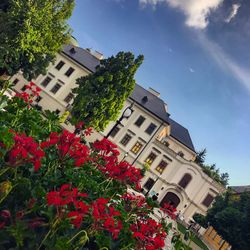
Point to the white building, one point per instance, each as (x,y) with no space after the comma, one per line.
(149,135)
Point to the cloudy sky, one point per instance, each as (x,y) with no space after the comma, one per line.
(197,54)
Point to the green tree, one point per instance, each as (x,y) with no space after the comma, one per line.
(201,156)
(230,217)
(100,96)
(31,33)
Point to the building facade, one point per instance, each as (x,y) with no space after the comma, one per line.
(148,137)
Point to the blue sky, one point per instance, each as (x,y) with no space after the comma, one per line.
(196,55)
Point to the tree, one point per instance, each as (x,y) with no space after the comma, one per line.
(100,96)
(31,33)
(230,217)
(201,156)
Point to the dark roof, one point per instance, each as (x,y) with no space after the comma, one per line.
(81,56)
(241,189)
(143,97)
(156,106)
(150,102)
(181,134)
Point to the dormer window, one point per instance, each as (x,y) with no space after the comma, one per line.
(144,99)
(72,51)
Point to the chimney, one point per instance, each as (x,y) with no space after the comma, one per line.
(154,92)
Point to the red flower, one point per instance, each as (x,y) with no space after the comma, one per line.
(25,150)
(169,210)
(150,235)
(4,218)
(88,131)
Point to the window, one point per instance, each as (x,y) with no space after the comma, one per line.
(185,180)
(56,88)
(69,72)
(57,111)
(181,154)
(139,121)
(46,81)
(60,65)
(136,148)
(125,140)
(208,200)
(160,168)
(23,88)
(38,99)
(69,97)
(151,158)
(150,128)
(15,82)
(114,132)
(149,183)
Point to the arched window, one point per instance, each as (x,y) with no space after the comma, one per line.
(185,180)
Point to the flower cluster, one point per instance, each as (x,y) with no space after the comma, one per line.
(25,150)
(69,196)
(169,210)
(111,167)
(149,233)
(105,217)
(31,90)
(68,145)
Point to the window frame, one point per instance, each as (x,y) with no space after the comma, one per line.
(44,80)
(125,141)
(115,132)
(136,148)
(57,84)
(208,196)
(149,160)
(184,182)
(140,122)
(69,94)
(71,70)
(160,169)
(59,65)
(149,128)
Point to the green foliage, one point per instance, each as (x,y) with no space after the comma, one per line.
(31,33)
(230,217)
(200,219)
(100,96)
(211,170)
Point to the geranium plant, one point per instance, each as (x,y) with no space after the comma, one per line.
(58,193)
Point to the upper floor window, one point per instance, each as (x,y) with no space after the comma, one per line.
(160,168)
(46,81)
(56,87)
(69,97)
(139,121)
(208,200)
(15,81)
(152,156)
(69,72)
(114,132)
(136,148)
(150,129)
(60,65)
(125,140)
(185,180)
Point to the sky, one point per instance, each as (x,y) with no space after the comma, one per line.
(197,55)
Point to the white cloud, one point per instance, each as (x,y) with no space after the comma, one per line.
(233,13)
(191,70)
(196,11)
(225,61)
